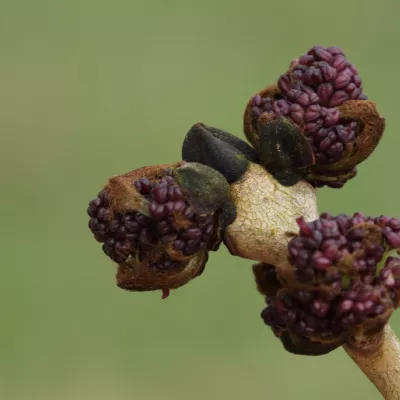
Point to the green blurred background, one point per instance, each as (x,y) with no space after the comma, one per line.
(93,88)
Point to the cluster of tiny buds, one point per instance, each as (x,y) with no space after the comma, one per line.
(176,219)
(326,242)
(340,282)
(172,223)
(310,92)
(319,315)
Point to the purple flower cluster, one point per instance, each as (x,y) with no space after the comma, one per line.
(328,317)
(339,281)
(324,248)
(173,225)
(310,92)
(176,220)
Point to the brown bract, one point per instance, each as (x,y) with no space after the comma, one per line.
(266,279)
(371,125)
(137,276)
(123,194)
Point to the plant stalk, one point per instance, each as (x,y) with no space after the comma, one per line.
(379,358)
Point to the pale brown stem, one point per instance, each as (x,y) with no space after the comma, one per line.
(379,358)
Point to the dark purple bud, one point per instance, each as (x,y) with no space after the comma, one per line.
(256,101)
(342,80)
(163,228)
(297,116)
(283,106)
(314,127)
(179,206)
(143,220)
(284,84)
(324,55)
(379,309)
(359,308)
(153,207)
(339,62)
(325,144)
(94,204)
(306,229)
(121,232)
(293,95)
(332,252)
(357,80)
(331,118)
(298,75)
(192,247)
(353,69)
(322,263)
(307,59)
(143,185)
(178,193)
(104,214)
(351,88)
(255,112)
(104,198)
(188,213)
(320,308)
(338,98)
(346,306)
(325,91)
(171,237)
(169,207)
(335,50)
(158,211)
(335,151)
(113,226)
(160,194)
(349,320)
(329,73)
(303,100)
(393,239)
(179,245)
(312,113)
(192,234)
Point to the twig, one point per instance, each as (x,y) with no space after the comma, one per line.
(379,358)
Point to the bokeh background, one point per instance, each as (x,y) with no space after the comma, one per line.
(93,88)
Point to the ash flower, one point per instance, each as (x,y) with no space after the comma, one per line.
(312,95)
(338,285)
(158,223)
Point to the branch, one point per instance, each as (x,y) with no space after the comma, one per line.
(379,358)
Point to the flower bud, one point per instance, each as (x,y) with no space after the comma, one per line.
(323,94)
(158,223)
(341,283)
